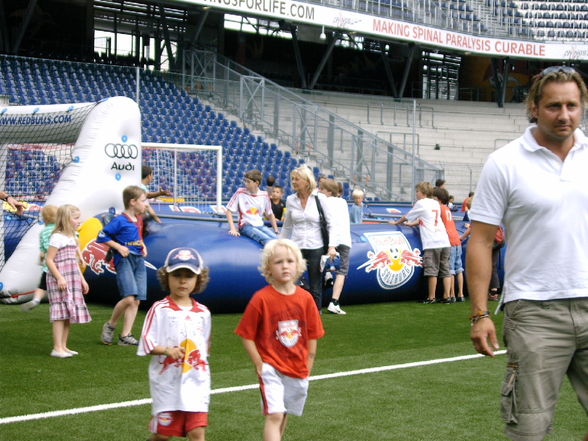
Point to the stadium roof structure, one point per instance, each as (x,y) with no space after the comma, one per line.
(504,30)
(487,27)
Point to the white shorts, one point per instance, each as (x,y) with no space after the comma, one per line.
(280,393)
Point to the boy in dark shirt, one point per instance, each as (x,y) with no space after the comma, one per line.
(278,206)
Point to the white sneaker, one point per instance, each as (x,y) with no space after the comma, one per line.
(54,353)
(26,307)
(335,309)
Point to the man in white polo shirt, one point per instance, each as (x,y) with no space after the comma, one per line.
(537,186)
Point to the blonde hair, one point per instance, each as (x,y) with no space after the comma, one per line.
(269,251)
(49,214)
(304,172)
(425,188)
(357,193)
(63,222)
(536,90)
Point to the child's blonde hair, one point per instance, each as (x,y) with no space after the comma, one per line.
(357,193)
(49,214)
(305,173)
(269,252)
(63,222)
(425,188)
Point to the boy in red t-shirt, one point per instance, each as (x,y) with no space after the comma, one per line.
(455,261)
(280,328)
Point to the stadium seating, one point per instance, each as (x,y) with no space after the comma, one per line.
(169,115)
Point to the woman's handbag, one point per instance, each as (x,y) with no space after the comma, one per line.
(323,224)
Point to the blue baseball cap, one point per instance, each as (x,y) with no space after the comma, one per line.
(184,258)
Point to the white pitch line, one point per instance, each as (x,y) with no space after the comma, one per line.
(101,407)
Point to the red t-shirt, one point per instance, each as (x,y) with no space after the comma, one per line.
(447,219)
(281,325)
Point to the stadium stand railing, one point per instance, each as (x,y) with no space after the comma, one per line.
(315,134)
(455,135)
(171,115)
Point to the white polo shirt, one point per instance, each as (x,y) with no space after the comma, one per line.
(543,203)
(431,226)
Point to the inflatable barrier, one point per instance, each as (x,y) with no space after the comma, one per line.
(385,263)
(385,260)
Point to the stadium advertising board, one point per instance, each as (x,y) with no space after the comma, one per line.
(385,28)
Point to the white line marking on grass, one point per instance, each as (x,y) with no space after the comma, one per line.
(399,366)
(101,407)
(58,413)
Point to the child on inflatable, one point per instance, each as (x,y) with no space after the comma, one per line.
(176,333)
(124,234)
(252,203)
(65,283)
(280,328)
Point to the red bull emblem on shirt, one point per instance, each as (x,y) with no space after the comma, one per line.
(392,258)
(192,359)
(288,332)
(94,255)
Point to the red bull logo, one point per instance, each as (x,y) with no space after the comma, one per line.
(392,258)
(252,210)
(288,332)
(94,256)
(192,359)
(169,361)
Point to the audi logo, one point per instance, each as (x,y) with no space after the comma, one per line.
(121,151)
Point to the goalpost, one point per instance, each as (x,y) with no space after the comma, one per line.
(85,154)
(82,154)
(196,182)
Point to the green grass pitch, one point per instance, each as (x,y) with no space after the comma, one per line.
(457,401)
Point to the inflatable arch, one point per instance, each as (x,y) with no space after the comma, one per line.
(93,180)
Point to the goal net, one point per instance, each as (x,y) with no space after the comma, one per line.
(82,154)
(35,147)
(192,173)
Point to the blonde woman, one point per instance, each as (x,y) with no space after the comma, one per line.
(302,225)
